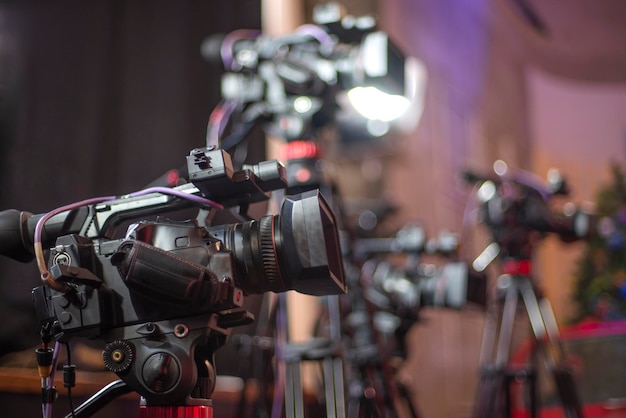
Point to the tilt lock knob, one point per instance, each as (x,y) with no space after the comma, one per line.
(117,356)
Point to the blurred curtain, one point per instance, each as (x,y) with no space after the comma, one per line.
(98,98)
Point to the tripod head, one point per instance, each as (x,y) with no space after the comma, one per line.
(164,296)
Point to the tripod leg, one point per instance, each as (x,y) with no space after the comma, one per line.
(562,373)
(552,328)
(340,387)
(568,392)
(334,387)
(294,402)
(289,392)
(489,333)
(298,391)
(535,313)
(546,331)
(506,327)
(484,390)
(492,382)
(333,366)
(329,387)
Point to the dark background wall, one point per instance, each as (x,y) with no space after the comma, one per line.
(98,98)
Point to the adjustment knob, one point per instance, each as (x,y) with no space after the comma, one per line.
(160,372)
(118,356)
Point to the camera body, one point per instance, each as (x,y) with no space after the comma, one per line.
(518,211)
(403,288)
(115,283)
(166,269)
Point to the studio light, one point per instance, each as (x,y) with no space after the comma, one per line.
(386,84)
(378,105)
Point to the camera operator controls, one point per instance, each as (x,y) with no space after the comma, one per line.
(211,171)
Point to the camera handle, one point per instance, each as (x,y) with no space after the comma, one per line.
(494,391)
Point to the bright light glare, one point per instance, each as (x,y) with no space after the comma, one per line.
(303,104)
(377,105)
(377,127)
(486,257)
(500,167)
(487,191)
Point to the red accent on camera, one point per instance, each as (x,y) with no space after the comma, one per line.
(518,267)
(301,149)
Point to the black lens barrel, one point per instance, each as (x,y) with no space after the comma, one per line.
(296,250)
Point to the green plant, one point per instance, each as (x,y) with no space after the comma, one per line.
(601,275)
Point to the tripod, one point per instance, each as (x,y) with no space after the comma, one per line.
(327,352)
(494,390)
(378,348)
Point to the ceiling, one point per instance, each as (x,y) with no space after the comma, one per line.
(579,39)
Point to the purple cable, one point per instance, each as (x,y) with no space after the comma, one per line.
(40,223)
(177,193)
(162,190)
(217,122)
(226,50)
(318,33)
(533,181)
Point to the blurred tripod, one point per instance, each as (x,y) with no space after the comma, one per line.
(375,336)
(494,394)
(515,207)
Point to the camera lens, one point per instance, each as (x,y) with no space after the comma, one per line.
(256,254)
(296,250)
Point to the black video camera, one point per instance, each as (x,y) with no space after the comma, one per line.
(169,290)
(404,288)
(297,84)
(516,207)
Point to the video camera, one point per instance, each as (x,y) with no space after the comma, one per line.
(399,276)
(296,84)
(403,288)
(516,207)
(315,62)
(163,296)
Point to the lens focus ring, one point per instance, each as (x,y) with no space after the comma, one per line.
(269,254)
